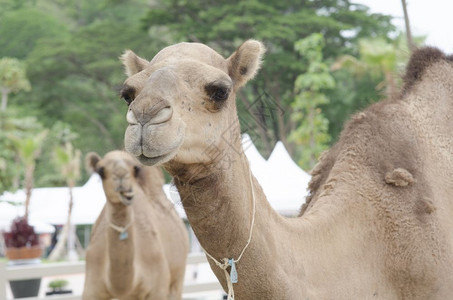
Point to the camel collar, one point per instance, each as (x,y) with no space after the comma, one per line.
(122,230)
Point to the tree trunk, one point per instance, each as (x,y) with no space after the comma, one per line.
(28,188)
(15,181)
(410,41)
(311,122)
(72,254)
(59,250)
(5,92)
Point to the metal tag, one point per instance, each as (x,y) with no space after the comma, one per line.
(233,272)
(123,235)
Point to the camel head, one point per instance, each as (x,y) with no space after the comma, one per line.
(182,102)
(119,172)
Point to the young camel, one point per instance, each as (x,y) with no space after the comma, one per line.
(379,219)
(139,245)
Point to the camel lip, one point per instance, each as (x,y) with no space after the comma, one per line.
(150,161)
(126,200)
(127,197)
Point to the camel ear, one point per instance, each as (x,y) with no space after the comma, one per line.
(91,160)
(133,63)
(245,62)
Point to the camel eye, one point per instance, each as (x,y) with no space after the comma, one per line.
(101,172)
(128,94)
(220,94)
(217,92)
(128,99)
(137,170)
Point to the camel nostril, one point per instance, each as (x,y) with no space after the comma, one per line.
(162,116)
(142,112)
(130,117)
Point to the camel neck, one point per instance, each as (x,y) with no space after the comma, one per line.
(219,207)
(120,244)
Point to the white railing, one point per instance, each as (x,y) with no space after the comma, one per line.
(67,268)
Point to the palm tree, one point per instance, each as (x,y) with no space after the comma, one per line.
(12,78)
(28,150)
(67,160)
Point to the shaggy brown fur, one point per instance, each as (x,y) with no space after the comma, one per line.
(421,60)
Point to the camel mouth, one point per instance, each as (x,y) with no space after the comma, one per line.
(127,197)
(150,161)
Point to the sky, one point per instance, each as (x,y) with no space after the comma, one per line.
(432,18)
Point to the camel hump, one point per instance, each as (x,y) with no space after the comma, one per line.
(421,60)
(399,177)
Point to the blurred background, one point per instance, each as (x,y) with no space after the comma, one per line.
(60,72)
(60,78)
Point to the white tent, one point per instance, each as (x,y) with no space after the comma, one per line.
(283,181)
(50,205)
(258,164)
(9,212)
(289,181)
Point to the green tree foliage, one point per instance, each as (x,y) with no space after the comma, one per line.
(76,77)
(311,134)
(65,158)
(71,49)
(225,24)
(14,127)
(21,29)
(377,58)
(59,132)
(350,95)
(10,5)
(373,73)
(74,70)
(12,79)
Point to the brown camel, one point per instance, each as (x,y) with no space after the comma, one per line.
(139,245)
(379,219)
